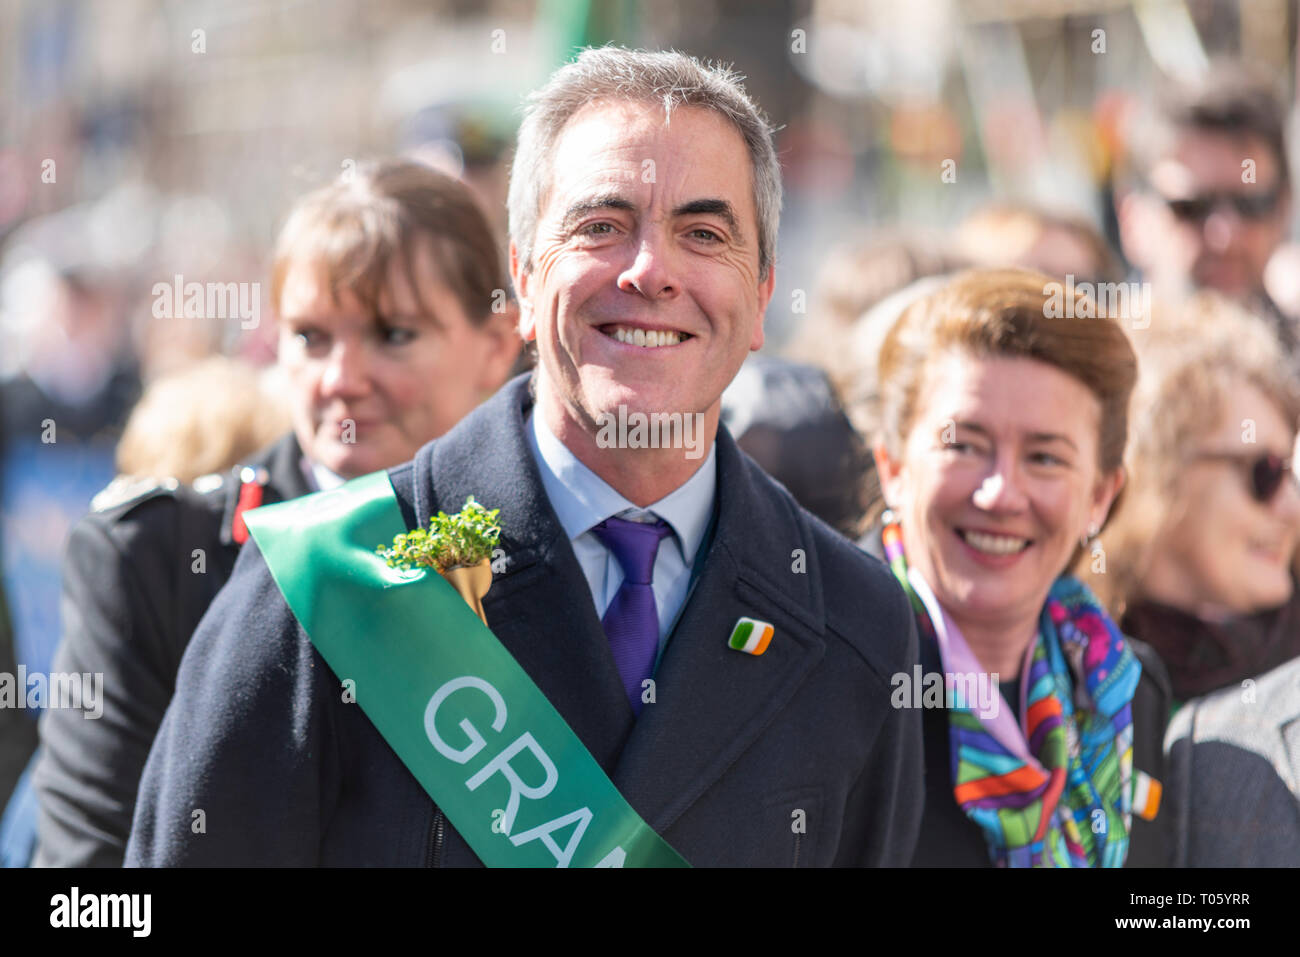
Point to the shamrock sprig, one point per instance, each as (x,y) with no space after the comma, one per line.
(465,538)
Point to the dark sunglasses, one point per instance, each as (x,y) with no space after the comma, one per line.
(1267,471)
(1250,206)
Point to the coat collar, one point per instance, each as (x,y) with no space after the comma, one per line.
(283,462)
(1203,656)
(277,468)
(710,702)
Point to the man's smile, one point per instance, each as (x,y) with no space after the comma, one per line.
(644,336)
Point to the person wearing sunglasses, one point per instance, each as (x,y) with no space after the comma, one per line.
(1199,562)
(1198,559)
(1207,196)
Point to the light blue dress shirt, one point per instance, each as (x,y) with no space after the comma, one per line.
(582,499)
(319,477)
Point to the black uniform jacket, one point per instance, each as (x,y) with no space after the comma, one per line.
(138,576)
(17,731)
(792,757)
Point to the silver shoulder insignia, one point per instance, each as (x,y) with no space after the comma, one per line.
(127,488)
(208,483)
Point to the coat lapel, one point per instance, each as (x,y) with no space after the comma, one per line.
(284,463)
(712,702)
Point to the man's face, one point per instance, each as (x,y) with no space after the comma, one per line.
(367,390)
(648,229)
(1205,227)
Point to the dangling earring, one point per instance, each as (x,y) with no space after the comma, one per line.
(1088,536)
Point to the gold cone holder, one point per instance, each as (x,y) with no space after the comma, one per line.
(471,583)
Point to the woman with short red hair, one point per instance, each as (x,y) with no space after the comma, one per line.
(1000,454)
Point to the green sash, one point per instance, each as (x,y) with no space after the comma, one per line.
(458,710)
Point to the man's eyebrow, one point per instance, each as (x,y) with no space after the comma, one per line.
(713,207)
(583,207)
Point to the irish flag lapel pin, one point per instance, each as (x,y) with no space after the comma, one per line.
(751,636)
(1146,795)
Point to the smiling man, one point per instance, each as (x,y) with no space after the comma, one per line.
(720,656)
(644,285)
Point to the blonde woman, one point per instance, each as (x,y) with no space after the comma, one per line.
(1197,560)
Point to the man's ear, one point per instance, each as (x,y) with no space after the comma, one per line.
(764,297)
(520,278)
(501,330)
(889,472)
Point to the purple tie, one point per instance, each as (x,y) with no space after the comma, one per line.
(631,621)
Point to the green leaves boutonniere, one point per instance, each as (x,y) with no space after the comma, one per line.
(458,547)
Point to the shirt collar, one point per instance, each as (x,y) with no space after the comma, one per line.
(958,658)
(581,498)
(319,478)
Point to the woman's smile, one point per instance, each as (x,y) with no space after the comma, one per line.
(993,550)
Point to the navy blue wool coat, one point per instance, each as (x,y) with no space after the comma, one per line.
(791,758)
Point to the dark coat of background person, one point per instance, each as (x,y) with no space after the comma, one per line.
(17,734)
(131,602)
(1203,656)
(288,773)
(24,408)
(1234,775)
(17,730)
(787,417)
(950,839)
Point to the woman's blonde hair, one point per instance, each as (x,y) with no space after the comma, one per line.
(1191,357)
(205,418)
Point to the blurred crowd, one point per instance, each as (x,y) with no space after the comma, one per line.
(111,404)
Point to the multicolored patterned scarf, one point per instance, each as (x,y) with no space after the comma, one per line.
(1070,805)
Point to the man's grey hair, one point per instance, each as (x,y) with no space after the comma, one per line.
(667,77)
